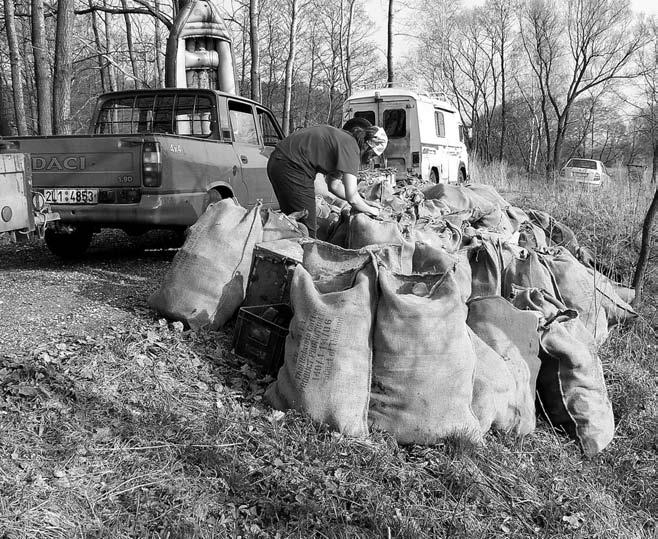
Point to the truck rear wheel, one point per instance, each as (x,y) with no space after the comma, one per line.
(68,241)
(462,176)
(434,177)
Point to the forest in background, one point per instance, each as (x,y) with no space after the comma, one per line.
(535,82)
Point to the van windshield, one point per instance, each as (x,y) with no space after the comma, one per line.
(395,123)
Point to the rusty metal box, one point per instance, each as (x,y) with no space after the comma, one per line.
(272,266)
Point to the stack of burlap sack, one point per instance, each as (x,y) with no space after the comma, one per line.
(446,317)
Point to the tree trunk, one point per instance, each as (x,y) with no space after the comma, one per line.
(159,71)
(389,53)
(63,67)
(111,81)
(255,55)
(645,249)
(292,40)
(99,49)
(16,61)
(129,41)
(503,103)
(347,68)
(41,69)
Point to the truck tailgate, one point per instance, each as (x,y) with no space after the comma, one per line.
(83,161)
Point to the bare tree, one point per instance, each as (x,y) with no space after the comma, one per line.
(63,66)
(16,62)
(41,68)
(290,60)
(129,40)
(389,49)
(255,53)
(573,50)
(650,64)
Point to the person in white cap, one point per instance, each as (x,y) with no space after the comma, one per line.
(335,153)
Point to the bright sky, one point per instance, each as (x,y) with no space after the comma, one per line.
(378,10)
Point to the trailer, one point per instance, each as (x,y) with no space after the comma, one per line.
(23,213)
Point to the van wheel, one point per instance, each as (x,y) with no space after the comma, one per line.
(462,176)
(68,241)
(434,177)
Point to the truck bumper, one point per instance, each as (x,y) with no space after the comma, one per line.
(156,211)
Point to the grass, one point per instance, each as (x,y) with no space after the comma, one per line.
(147,431)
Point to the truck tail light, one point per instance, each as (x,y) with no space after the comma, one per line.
(415,159)
(597,177)
(151,164)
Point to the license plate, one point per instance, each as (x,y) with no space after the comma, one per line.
(71,196)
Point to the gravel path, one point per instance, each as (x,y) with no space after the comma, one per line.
(43,298)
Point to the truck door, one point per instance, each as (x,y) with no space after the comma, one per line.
(252,154)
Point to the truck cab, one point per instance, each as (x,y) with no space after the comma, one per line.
(425,135)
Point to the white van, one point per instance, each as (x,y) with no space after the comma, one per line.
(425,135)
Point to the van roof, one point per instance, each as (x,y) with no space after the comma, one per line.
(423,97)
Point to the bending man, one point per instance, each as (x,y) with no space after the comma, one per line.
(335,153)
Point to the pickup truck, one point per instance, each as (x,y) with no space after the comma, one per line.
(152,159)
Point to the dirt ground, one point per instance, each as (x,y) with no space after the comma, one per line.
(43,298)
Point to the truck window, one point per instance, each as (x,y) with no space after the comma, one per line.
(440,124)
(116,116)
(193,115)
(271,135)
(367,114)
(395,123)
(243,122)
(162,114)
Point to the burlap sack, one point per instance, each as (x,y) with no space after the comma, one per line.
(327,217)
(485,258)
(460,198)
(512,334)
(432,209)
(279,226)
(324,260)
(206,282)
(570,385)
(328,352)
(489,193)
(496,221)
(531,236)
(559,234)
(424,362)
(494,399)
(516,217)
(582,290)
(527,270)
(428,259)
(610,288)
(439,234)
(366,231)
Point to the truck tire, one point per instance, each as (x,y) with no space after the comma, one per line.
(68,241)
(434,177)
(461,179)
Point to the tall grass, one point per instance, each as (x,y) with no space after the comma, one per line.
(149,432)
